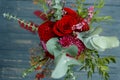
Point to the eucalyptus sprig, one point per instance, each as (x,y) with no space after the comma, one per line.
(57,6)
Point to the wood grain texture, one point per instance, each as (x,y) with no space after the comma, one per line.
(15,42)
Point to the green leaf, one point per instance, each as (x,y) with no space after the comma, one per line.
(94,31)
(92,40)
(95,47)
(106,60)
(102,43)
(29,71)
(86,40)
(70,74)
(61,68)
(86,37)
(98,19)
(42,4)
(104,68)
(57,7)
(99,3)
(82,68)
(113,59)
(93,68)
(62,65)
(72,50)
(89,74)
(58,14)
(53,47)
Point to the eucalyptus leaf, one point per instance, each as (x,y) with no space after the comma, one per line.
(105,42)
(56,49)
(96,31)
(93,31)
(57,52)
(95,47)
(52,46)
(62,65)
(72,61)
(92,40)
(57,1)
(52,42)
(72,50)
(58,7)
(88,43)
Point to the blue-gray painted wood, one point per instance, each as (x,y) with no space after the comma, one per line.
(15,42)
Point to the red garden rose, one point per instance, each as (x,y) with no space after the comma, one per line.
(64,26)
(45,31)
(67,24)
(85,26)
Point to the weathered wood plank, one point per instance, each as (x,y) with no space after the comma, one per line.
(16,58)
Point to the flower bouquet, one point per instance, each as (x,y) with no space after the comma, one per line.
(68,39)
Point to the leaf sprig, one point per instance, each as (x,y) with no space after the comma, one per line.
(93,62)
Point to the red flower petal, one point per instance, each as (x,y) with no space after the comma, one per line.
(64,26)
(40,75)
(45,31)
(47,54)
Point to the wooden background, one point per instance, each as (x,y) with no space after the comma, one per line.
(15,42)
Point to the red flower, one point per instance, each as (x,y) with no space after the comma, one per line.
(47,54)
(64,26)
(69,40)
(85,26)
(39,76)
(45,31)
(68,23)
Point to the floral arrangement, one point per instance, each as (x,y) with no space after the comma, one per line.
(68,39)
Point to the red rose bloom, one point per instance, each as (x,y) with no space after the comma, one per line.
(67,24)
(45,31)
(85,26)
(64,26)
